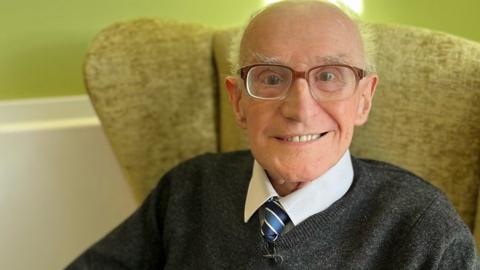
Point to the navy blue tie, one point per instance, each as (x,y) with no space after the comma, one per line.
(274,221)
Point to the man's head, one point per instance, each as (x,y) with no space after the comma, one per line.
(300,35)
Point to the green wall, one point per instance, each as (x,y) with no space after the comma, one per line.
(42,43)
(461,17)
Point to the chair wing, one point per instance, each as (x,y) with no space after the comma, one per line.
(153,85)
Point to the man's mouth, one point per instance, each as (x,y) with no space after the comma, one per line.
(304,138)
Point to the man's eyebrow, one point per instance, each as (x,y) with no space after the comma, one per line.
(334,59)
(339,59)
(261,58)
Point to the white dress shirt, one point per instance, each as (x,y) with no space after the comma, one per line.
(313,198)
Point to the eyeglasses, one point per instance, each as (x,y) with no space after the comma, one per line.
(326,82)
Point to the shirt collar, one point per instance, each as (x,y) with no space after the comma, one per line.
(307,201)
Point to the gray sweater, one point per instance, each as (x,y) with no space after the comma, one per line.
(389,219)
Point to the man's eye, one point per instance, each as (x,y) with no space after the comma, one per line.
(272,80)
(326,76)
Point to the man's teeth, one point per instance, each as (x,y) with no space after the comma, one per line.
(304,138)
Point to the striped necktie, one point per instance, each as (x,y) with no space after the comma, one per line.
(275,220)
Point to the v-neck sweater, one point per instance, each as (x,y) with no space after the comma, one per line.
(389,219)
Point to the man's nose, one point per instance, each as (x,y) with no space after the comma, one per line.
(299,104)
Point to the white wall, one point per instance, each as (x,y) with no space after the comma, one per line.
(60,186)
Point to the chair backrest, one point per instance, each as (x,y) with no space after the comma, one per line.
(158,89)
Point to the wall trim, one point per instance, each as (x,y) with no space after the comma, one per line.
(46,114)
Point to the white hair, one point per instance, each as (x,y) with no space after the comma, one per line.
(365,30)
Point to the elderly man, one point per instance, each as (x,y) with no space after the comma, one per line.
(298,200)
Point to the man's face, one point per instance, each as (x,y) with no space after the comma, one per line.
(301,39)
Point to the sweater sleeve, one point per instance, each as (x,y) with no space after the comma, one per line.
(439,239)
(134,244)
(459,254)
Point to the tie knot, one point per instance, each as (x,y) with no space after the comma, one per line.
(274,221)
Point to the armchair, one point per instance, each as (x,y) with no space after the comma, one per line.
(157,87)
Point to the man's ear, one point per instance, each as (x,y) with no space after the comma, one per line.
(367,87)
(235,96)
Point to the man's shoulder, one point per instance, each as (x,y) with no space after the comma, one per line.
(226,160)
(207,178)
(211,168)
(387,175)
(393,186)
(396,188)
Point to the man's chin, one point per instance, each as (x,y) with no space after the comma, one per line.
(298,184)
(285,185)
(302,169)
(296,175)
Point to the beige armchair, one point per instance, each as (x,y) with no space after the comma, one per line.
(157,87)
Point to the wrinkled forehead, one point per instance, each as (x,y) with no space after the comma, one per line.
(310,32)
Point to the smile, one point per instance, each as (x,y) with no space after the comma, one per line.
(304,138)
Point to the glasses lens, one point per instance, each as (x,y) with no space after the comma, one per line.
(332,82)
(268,82)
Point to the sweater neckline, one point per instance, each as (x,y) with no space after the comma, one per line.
(328,217)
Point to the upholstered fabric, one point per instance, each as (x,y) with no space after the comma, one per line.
(153,85)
